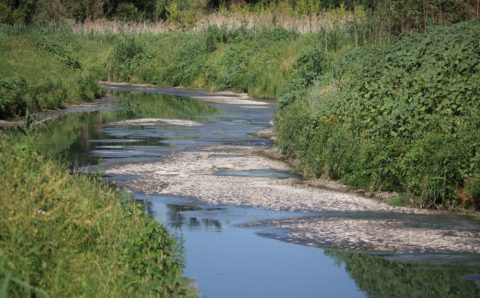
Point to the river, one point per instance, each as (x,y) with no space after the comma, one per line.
(238,249)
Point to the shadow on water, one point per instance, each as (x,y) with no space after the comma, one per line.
(227,260)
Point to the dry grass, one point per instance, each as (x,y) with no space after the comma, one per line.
(270,20)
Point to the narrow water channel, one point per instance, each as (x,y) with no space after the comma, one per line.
(225,258)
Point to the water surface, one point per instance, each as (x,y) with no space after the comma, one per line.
(226,260)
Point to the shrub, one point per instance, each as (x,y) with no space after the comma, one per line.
(5,14)
(48,95)
(188,63)
(128,12)
(405,117)
(13,98)
(127,54)
(311,63)
(89,89)
(473,192)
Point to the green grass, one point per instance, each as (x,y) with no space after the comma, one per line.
(76,236)
(399,200)
(44,66)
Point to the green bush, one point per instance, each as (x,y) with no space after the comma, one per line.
(128,12)
(89,89)
(12,98)
(127,54)
(5,14)
(188,63)
(311,63)
(402,117)
(473,192)
(48,95)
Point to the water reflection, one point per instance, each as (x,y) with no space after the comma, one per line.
(374,275)
(441,276)
(189,216)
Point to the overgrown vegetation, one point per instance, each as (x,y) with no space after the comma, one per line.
(398,117)
(366,101)
(394,15)
(402,118)
(40,69)
(66,235)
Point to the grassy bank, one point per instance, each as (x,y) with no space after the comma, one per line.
(45,68)
(399,117)
(64,235)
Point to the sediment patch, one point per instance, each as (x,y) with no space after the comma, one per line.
(194,174)
(387,235)
(156,121)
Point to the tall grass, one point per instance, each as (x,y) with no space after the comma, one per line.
(69,235)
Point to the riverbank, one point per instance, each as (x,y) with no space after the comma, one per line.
(199,169)
(316,124)
(244,176)
(67,234)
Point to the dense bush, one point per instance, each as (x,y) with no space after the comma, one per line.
(403,117)
(311,63)
(127,54)
(188,63)
(12,98)
(89,89)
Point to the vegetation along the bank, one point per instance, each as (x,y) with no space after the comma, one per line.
(386,97)
(64,235)
(403,117)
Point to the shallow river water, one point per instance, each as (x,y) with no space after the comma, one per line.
(227,257)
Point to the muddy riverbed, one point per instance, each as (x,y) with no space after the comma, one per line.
(250,229)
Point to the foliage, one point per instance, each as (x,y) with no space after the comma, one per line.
(397,15)
(64,54)
(127,54)
(311,63)
(402,117)
(12,101)
(473,191)
(128,12)
(74,235)
(89,90)
(41,68)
